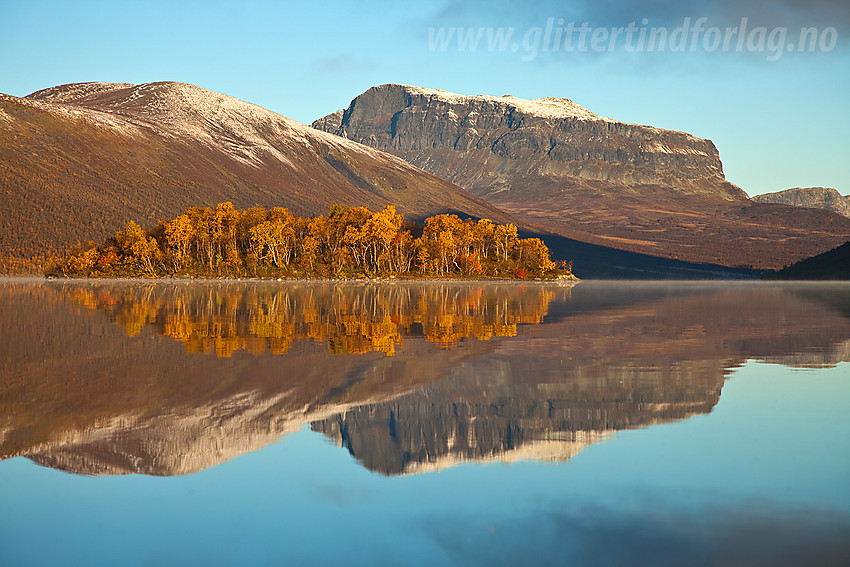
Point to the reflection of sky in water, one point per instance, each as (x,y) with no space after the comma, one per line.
(763,479)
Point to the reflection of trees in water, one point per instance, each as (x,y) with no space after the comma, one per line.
(352,319)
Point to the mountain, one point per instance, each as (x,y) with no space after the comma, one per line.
(80,160)
(830,265)
(582,176)
(812,197)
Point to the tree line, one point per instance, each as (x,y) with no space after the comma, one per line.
(348,242)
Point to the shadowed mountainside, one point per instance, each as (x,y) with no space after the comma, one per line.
(556,165)
(831,265)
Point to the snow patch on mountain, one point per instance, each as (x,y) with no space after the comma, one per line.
(548,107)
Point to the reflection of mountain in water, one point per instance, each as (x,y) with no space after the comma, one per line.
(79,394)
(468,417)
(589,374)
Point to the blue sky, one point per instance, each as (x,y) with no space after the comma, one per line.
(778,116)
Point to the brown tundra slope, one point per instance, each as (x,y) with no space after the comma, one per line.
(557,165)
(78,161)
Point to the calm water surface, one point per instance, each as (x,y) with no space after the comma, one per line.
(424,424)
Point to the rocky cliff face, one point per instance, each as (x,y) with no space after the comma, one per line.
(556,165)
(485,143)
(812,197)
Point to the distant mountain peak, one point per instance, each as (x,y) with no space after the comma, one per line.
(811,197)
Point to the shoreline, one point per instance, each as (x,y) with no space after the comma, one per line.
(421,281)
(231,280)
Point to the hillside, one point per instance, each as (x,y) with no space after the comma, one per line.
(80,160)
(554,164)
(830,265)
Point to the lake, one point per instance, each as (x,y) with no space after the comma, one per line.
(519,423)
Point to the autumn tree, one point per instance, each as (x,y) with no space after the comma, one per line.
(84,261)
(139,249)
(274,238)
(441,238)
(533,253)
(375,237)
(203,237)
(225,221)
(179,234)
(504,238)
(482,237)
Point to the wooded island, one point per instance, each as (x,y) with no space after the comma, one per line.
(349,242)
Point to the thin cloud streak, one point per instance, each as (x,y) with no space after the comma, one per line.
(601,538)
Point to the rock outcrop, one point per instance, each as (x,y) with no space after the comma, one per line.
(812,197)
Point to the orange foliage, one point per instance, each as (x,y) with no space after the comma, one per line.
(349,242)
